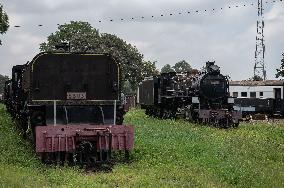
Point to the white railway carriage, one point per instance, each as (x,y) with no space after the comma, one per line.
(253,97)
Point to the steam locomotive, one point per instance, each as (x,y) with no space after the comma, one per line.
(197,96)
(71,102)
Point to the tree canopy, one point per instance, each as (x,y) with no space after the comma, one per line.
(280,71)
(182,66)
(256,78)
(167,68)
(3,79)
(4,21)
(82,37)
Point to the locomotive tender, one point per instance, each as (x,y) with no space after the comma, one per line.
(165,95)
(200,97)
(72,103)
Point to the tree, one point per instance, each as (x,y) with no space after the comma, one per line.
(130,59)
(4,22)
(127,88)
(280,71)
(149,69)
(256,78)
(167,68)
(82,37)
(182,66)
(3,79)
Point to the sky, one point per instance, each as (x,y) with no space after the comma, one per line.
(225,35)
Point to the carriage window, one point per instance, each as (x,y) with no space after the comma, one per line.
(244,94)
(260,94)
(252,94)
(235,94)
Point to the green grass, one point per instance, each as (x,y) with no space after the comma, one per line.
(167,154)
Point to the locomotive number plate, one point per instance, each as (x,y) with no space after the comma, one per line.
(215,82)
(76,95)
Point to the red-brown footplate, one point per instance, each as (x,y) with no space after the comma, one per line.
(64,138)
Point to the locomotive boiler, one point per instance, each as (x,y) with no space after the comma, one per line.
(72,104)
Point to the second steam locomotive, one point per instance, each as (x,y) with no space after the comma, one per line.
(197,96)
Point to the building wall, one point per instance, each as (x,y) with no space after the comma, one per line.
(268,91)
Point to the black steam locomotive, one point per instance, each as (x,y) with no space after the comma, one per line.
(165,95)
(72,104)
(201,97)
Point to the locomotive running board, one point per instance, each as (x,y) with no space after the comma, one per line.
(63,138)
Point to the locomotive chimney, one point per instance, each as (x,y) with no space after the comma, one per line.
(210,63)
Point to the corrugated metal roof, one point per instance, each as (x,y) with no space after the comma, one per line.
(257,83)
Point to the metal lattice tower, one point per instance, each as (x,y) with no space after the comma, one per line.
(259,66)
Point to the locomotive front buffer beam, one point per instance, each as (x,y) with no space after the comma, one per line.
(83,144)
(221,117)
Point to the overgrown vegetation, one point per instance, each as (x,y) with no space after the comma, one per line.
(181,66)
(3,79)
(280,71)
(4,21)
(167,154)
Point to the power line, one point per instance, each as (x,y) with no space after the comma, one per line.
(139,18)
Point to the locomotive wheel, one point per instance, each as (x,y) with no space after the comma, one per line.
(149,111)
(37,118)
(227,123)
(127,155)
(44,158)
(167,114)
(157,112)
(224,123)
(119,119)
(189,116)
(235,125)
(119,116)
(152,112)
(160,115)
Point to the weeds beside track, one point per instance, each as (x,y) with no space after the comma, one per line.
(167,154)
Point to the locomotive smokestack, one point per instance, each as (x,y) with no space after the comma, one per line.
(209,63)
(212,68)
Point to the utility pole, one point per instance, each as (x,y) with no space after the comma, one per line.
(259,66)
